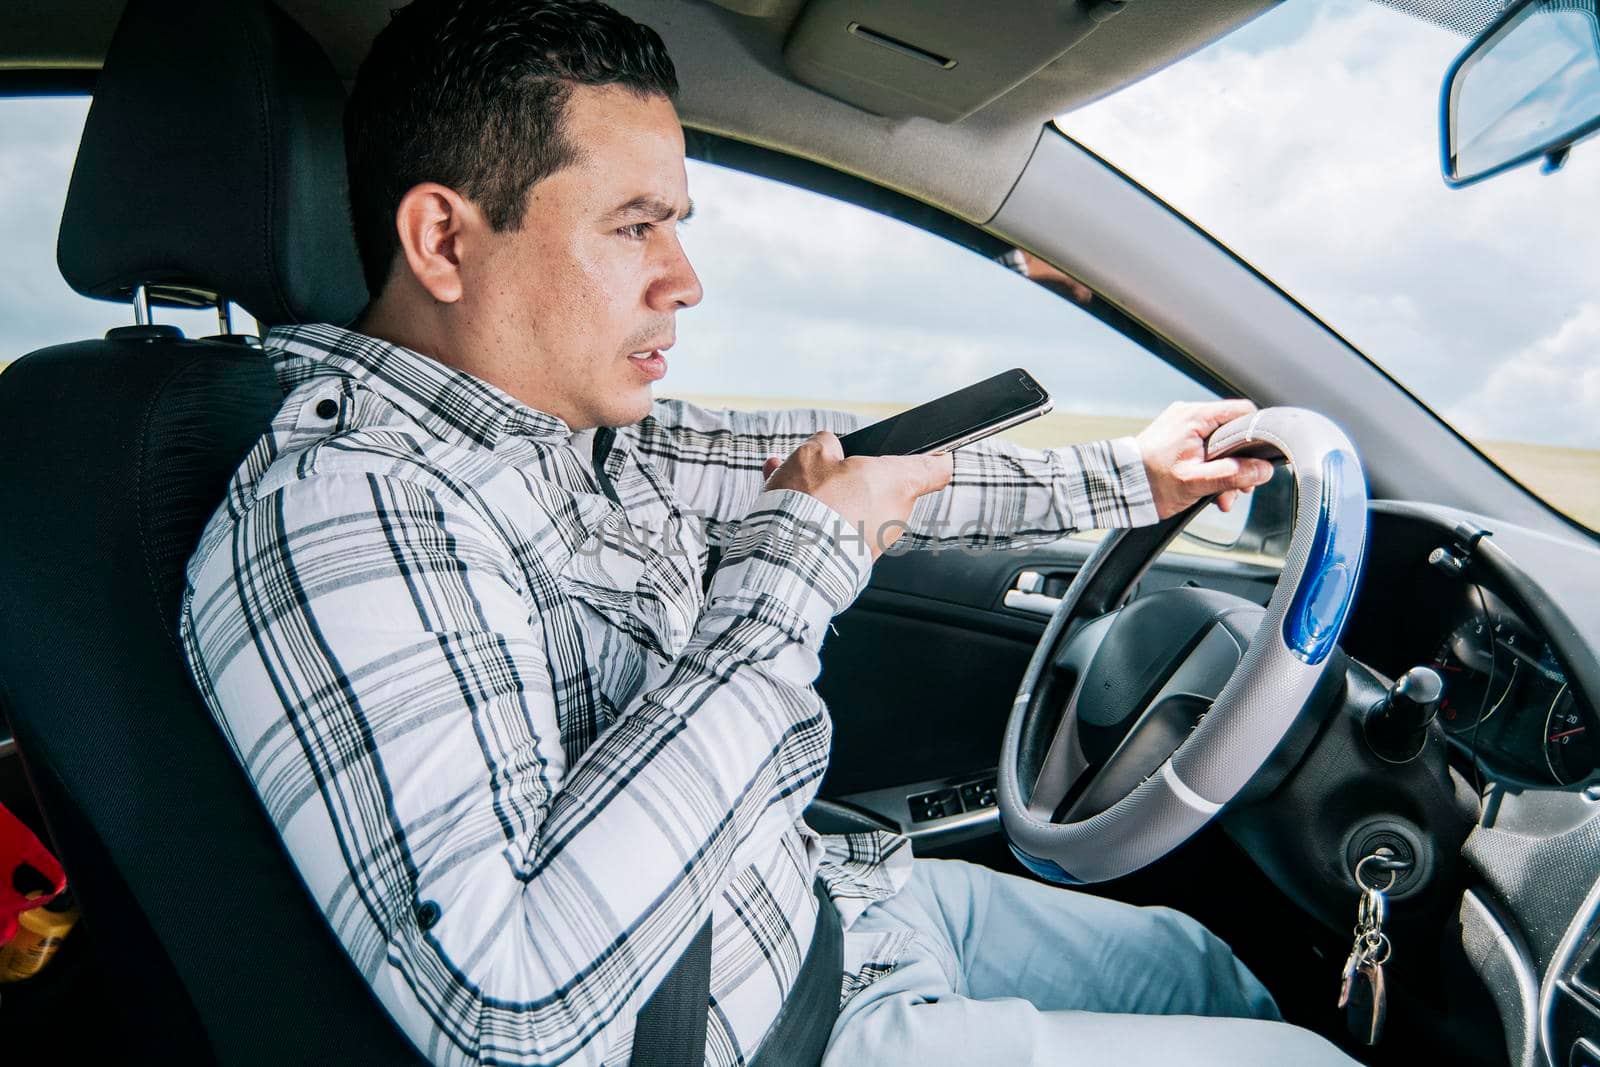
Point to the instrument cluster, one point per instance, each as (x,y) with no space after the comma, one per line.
(1507,700)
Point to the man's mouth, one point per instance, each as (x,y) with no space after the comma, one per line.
(651,363)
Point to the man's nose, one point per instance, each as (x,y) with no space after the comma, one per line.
(677,286)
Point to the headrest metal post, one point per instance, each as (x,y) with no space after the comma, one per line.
(141,306)
(224,315)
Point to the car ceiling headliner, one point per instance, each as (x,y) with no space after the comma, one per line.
(734,81)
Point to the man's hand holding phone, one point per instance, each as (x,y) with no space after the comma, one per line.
(876,492)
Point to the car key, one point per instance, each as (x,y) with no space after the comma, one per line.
(1366,1003)
(1361,950)
(1362,993)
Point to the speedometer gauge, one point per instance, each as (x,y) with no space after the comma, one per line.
(1569,739)
(1473,688)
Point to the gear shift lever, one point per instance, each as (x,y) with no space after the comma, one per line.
(1396,727)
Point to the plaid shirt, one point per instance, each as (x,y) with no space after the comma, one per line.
(516,752)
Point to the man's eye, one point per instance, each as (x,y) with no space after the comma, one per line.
(638,231)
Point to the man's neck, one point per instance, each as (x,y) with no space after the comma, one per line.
(389,320)
(419,325)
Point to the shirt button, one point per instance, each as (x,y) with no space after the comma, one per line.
(428,915)
(327,409)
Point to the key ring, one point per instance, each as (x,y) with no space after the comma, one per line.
(1375,943)
(1372,911)
(1361,882)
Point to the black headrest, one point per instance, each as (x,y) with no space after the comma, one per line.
(213,163)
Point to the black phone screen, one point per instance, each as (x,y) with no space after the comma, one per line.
(990,404)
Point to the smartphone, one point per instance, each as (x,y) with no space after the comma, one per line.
(953,420)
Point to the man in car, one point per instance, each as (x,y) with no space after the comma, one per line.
(451,616)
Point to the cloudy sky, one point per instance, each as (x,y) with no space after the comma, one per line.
(1306,142)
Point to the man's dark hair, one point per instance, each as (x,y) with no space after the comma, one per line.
(471,94)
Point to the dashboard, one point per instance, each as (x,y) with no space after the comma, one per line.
(1510,620)
(1508,700)
(1516,708)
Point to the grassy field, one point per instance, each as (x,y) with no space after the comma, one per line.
(1567,477)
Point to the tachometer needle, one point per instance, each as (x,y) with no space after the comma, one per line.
(1567,733)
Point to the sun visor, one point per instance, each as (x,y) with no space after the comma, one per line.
(904,58)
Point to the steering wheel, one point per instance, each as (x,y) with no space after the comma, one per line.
(1135,725)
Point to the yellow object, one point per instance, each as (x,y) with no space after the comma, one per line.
(40,932)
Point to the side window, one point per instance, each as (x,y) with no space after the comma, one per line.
(815,302)
(38,143)
(811,300)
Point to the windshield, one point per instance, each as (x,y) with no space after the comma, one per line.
(1308,142)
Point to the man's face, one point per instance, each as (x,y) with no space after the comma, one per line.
(575,308)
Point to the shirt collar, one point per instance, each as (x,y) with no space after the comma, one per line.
(446,402)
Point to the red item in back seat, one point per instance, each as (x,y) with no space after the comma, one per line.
(20,849)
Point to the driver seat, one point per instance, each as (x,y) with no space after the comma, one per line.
(212,163)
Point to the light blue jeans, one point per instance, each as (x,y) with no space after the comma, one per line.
(1006,971)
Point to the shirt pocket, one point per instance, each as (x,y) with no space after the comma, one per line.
(642,580)
(603,574)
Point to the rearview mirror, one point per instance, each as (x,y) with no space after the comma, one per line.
(1528,86)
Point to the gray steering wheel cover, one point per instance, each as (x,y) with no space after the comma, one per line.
(1250,717)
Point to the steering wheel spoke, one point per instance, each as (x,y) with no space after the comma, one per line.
(1123,720)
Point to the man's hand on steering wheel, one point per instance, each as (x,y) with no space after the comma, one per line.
(1174,451)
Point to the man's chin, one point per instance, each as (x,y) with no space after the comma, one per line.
(626,411)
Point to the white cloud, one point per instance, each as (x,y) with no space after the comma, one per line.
(1308,143)
(1555,380)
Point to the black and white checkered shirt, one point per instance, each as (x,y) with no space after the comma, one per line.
(516,753)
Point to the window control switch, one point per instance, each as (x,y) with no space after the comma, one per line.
(976,796)
(939,804)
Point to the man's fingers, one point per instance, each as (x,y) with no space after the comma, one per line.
(1221,475)
(772,464)
(922,473)
(925,474)
(1225,501)
(1210,415)
(828,443)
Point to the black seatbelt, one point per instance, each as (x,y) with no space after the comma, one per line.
(799,1034)
(671,1028)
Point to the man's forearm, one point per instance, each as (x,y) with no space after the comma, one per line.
(1001,495)
(713,458)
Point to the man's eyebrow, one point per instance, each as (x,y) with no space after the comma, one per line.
(651,209)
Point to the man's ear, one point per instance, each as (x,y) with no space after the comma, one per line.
(433,223)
